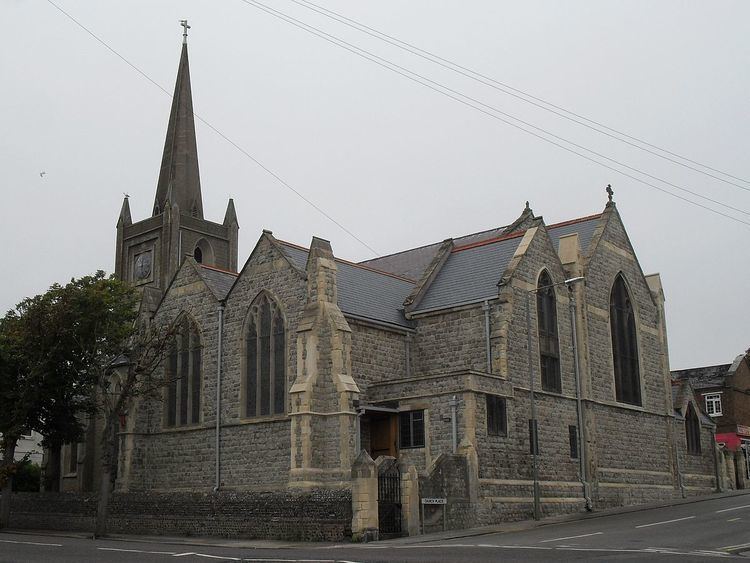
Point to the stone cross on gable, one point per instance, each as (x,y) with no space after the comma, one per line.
(185,25)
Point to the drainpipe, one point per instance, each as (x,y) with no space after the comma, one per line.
(454,423)
(579,408)
(677,457)
(716,459)
(487,347)
(217,484)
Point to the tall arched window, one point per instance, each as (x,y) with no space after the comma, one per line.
(549,344)
(624,344)
(184,376)
(692,431)
(265,359)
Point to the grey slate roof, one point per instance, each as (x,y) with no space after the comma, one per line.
(471,274)
(411,263)
(363,292)
(218,281)
(703,377)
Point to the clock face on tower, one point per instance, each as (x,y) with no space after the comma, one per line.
(142,266)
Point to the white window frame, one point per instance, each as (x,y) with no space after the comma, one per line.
(713,404)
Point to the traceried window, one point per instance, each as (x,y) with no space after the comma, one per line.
(265,359)
(184,376)
(497,424)
(624,344)
(713,404)
(692,431)
(411,429)
(549,344)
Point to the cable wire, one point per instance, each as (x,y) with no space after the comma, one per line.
(520,94)
(457,96)
(217,131)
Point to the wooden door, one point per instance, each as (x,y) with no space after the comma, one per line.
(383,435)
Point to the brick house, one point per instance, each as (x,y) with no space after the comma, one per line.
(288,368)
(724,396)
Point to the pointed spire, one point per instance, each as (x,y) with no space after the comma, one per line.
(230,216)
(125,218)
(179,163)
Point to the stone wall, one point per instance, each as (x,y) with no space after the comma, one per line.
(448,478)
(318,515)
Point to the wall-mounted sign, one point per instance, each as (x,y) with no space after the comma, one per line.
(434,501)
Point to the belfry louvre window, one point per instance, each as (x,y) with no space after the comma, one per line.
(692,431)
(265,359)
(713,404)
(411,429)
(184,376)
(549,344)
(624,344)
(497,424)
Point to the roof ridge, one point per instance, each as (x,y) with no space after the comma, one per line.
(486,242)
(355,264)
(214,268)
(574,221)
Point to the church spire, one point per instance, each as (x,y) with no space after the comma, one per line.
(179,162)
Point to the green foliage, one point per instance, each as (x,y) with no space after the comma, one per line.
(54,350)
(27,477)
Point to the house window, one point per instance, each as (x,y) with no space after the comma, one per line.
(265,359)
(497,424)
(692,431)
(573,438)
(184,376)
(411,426)
(624,344)
(533,437)
(549,344)
(713,404)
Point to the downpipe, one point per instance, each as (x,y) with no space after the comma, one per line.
(217,484)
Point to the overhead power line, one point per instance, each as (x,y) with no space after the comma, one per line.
(524,96)
(217,131)
(478,105)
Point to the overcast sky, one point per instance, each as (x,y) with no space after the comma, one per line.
(396,163)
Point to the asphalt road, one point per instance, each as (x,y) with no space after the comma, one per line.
(699,531)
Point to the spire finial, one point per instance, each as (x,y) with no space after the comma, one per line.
(610,192)
(527,206)
(185,25)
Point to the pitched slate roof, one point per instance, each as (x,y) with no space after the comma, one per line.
(411,263)
(472,271)
(362,291)
(703,377)
(218,281)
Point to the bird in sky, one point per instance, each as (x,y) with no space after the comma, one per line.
(41,174)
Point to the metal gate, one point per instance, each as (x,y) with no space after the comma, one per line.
(389,500)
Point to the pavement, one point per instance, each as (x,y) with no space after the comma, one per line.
(509,528)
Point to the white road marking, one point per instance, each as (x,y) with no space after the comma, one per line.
(734,519)
(573,537)
(665,522)
(135,551)
(32,543)
(734,508)
(738,546)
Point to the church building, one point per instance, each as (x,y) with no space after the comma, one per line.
(518,371)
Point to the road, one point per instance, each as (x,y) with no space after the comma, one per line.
(699,531)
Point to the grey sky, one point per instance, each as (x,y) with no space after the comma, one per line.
(396,163)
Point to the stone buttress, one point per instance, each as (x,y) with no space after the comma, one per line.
(322,411)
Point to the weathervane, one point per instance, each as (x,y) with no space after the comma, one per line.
(610,192)
(185,25)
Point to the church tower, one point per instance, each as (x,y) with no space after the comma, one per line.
(150,251)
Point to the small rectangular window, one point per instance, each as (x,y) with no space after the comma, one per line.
(73,459)
(411,429)
(713,404)
(533,437)
(496,418)
(573,436)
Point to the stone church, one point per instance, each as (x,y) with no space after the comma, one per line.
(529,358)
